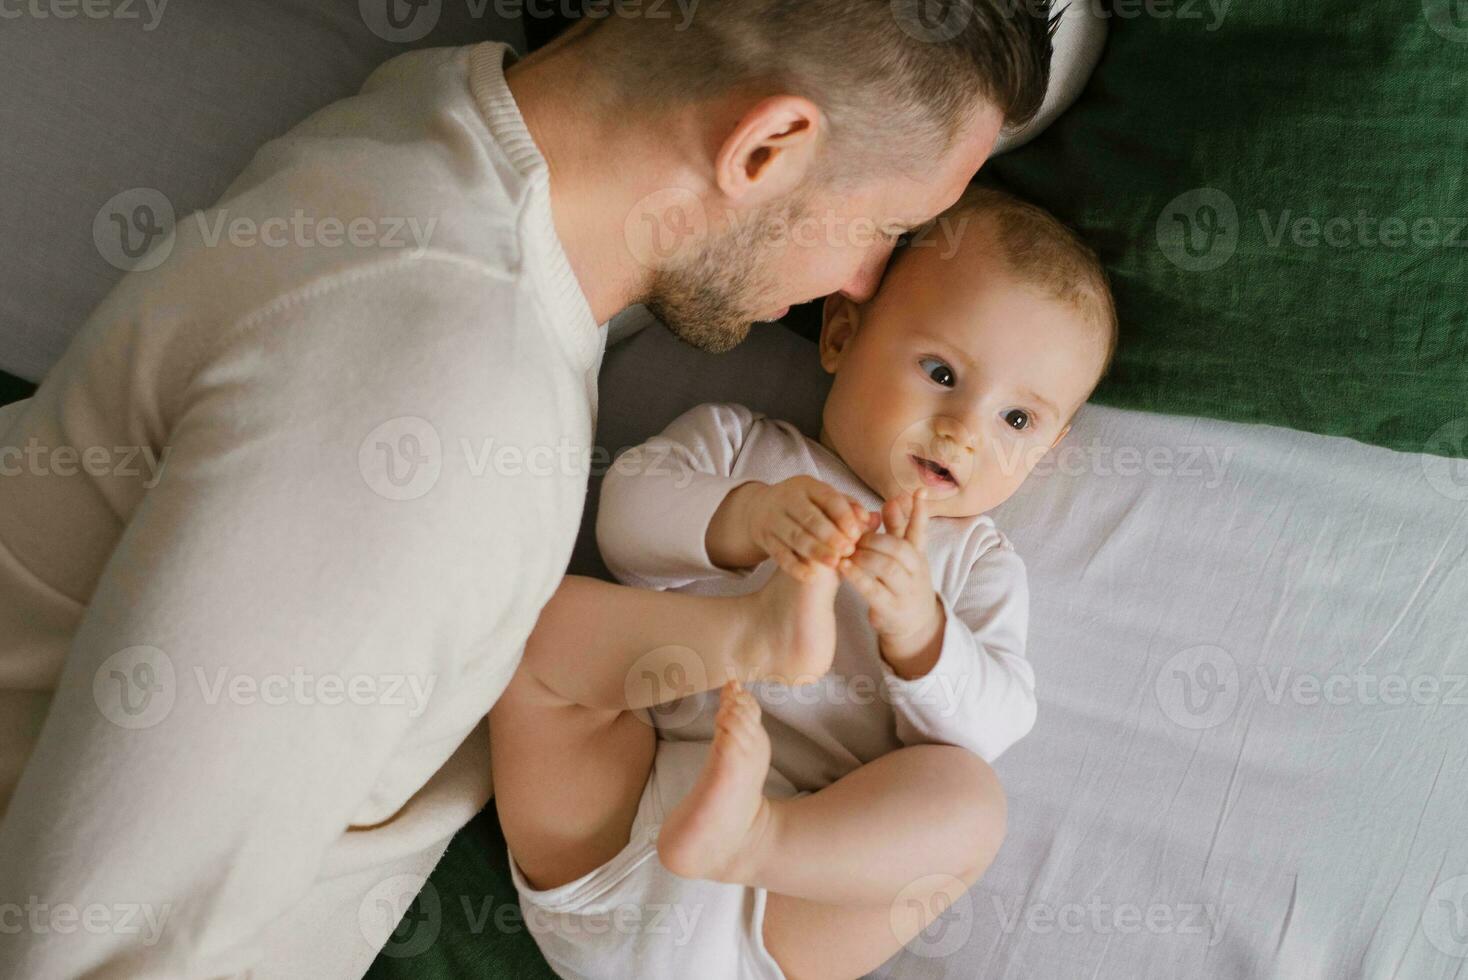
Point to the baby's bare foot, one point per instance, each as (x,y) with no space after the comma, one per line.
(714,831)
(793,627)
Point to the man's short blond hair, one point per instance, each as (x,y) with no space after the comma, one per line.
(895,79)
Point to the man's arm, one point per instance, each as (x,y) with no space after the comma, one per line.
(234,692)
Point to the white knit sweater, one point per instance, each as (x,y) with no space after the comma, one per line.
(369,373)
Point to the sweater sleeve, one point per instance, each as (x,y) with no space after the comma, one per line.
(980,695)
(659,497)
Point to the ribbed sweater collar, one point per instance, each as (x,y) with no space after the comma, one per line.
(562,293)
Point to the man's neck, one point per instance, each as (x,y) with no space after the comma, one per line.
(591,194)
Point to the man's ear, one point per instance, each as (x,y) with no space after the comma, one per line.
(840,320)
(770,152)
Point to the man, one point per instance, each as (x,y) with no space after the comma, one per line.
(244,684)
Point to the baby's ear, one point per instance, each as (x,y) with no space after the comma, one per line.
(840,318)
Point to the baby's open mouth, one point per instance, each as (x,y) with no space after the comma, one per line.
(934,474)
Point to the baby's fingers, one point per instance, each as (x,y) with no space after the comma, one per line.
(867,585)
(839,508)
(807,545)
(882,565)
(791,564)
(917,526)
(891,548)
(894,515)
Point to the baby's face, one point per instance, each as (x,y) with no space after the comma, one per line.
(955,377)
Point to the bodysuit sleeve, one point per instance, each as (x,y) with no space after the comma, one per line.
(980,695)
(658,498)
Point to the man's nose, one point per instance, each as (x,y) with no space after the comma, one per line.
(863,284)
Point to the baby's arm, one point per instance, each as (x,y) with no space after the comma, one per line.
(955,671)
(980,694)
(672,511)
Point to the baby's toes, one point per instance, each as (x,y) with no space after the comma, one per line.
(746,721)
(749,707)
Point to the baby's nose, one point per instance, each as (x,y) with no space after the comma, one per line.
(954,433)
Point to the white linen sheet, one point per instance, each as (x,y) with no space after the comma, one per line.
(1251,649)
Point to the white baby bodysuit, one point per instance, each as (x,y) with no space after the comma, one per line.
(656,504)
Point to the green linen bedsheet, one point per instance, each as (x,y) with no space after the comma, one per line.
(1279,190)
(467,921)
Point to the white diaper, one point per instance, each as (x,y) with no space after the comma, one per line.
(633,919)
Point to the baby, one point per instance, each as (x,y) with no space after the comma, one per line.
(664,820)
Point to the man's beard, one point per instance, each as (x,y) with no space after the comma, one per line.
(711,301)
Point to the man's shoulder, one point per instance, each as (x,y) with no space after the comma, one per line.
(408,162)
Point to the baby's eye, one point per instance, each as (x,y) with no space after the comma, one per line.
(1017,419)
(938,371)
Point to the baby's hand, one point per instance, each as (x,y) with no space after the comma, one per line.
(802,522)
(890,570)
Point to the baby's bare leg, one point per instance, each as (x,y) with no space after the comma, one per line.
(609,646)
(598,654)
(889,832)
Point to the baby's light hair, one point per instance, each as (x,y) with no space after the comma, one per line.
(1043,253)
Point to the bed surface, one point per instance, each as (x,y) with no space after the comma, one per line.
(1253,687)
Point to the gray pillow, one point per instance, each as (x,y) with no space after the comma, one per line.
(1080,37)
(168,101)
